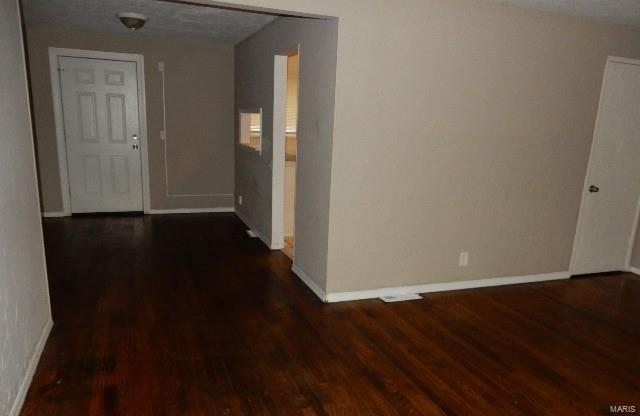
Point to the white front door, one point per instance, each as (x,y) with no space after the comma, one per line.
(612,187)
(101,125)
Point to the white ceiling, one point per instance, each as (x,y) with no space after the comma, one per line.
(617,11)
(164,18)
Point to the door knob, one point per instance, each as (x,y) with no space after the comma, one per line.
(135,137)
(593,189)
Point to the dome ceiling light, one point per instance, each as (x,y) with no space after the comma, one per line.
(133,21)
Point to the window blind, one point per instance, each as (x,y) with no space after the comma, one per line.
(292,94)
(255,122)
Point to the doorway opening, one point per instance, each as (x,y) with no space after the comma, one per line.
(286,83)
(291,153)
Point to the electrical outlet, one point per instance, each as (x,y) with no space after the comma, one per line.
(239,199)
(464,259)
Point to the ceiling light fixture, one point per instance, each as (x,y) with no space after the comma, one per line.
(133,21)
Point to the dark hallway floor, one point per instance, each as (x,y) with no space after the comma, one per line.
(185,315)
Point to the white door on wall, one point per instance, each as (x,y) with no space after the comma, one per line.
(101,125)
(612,188)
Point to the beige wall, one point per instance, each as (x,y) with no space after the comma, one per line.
(254,89)
(490,158)
(199,91)
(460,125)
(24,301)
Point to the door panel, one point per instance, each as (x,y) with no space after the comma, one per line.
(100,108)
(92,175)
(612,186)
(116,118)
(88,117)
(120,174)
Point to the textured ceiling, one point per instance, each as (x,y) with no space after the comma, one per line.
(163,18)
(617,11)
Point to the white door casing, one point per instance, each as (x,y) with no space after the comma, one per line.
(102,130)
(609,211)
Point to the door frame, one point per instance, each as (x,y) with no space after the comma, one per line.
(54,54)
(583,197)
(280,79)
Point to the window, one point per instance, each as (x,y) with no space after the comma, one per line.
(251,128)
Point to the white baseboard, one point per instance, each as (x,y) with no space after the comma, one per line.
(309,282)
(258,233)
(633,270)
(57,214)
(31,369)
(189,210)
(53,214)
(440,287)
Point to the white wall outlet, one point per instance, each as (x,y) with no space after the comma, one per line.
(464,259)
(239,199)
(161,66)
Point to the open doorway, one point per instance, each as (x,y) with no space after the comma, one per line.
(285,150)
(291,147)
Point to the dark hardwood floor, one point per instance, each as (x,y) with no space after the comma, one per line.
(185,315)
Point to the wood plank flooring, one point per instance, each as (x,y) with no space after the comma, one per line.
(186,315)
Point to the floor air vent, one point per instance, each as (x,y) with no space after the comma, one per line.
(400,298)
